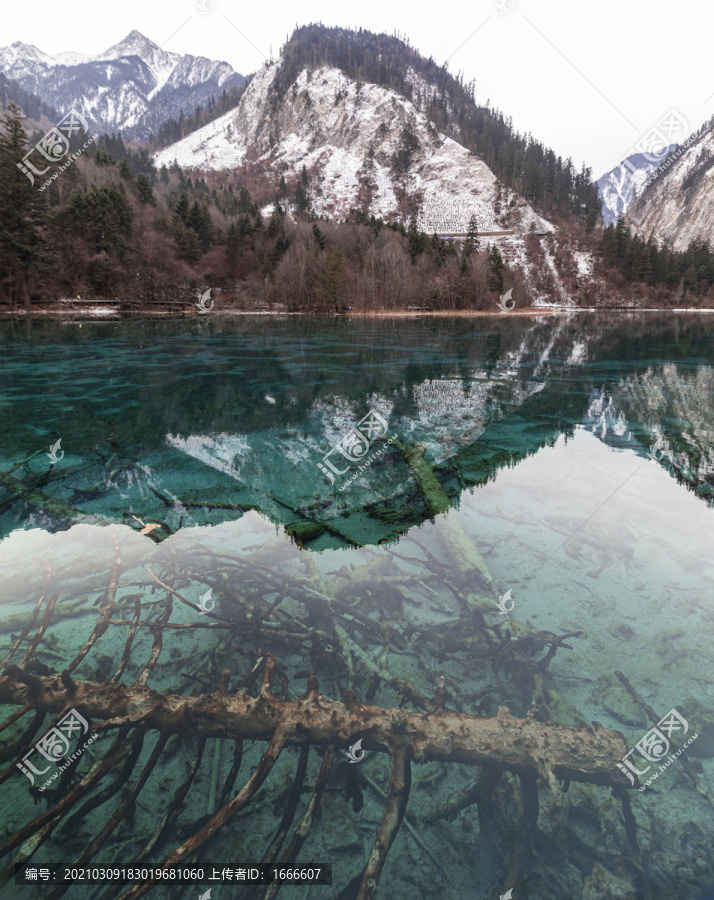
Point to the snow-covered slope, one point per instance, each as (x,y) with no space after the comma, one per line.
(678,206)
(132,87)
(619,187)
(349,134)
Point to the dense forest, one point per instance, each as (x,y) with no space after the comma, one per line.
(547,181)
(643,261)
(31,105)
(113,228)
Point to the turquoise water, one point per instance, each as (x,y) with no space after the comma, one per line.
(578,461)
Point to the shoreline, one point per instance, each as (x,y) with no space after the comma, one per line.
(110,313)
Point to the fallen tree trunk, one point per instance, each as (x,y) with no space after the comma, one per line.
(470,569)
(552,750)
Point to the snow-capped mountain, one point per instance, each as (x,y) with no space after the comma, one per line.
(621,185)
(132,87)
(678,206)
(369,147)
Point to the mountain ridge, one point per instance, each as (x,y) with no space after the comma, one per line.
(132,87)
(677,206)
(619,187)
(353,134)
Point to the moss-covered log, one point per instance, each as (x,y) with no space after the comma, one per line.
(470,569)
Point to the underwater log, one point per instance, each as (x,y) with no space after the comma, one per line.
(521,745)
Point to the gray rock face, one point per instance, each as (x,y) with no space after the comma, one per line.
(350,133)
(678,206)
(621,185)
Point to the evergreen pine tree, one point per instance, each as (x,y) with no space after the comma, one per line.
(182,208)
(332,282)
(244,200)
(464,267)
(318,235)
(199,219)
(21,209)
(691,282)
(414,240)
(497,267)
(301,201)
(234,239)
(622,239)
(144,191)
(472,240)
(276,221)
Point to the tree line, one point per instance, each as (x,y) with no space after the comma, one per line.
(108,229)
(114,228)
(640,260)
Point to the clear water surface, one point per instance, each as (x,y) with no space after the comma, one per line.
(576,459)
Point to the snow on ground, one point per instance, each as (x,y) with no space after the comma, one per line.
(211,147)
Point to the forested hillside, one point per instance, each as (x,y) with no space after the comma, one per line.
(112,227)
(548,182)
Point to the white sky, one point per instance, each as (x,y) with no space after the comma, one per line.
(589,80)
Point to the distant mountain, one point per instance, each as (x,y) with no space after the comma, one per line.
(132,87)
(619,187)
(369,147)
(678,206)
(36,112)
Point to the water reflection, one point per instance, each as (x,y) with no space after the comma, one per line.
(539,434)
(194,428)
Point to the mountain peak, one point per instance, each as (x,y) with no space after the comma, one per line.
(133,87)
(134,44)
(619,187)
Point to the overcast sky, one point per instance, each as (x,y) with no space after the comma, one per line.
(589,80)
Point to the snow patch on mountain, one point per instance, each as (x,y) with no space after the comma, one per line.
(619,187)
(132,87)
(678,207)
(349,134)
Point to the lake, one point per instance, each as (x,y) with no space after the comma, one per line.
(433,516)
